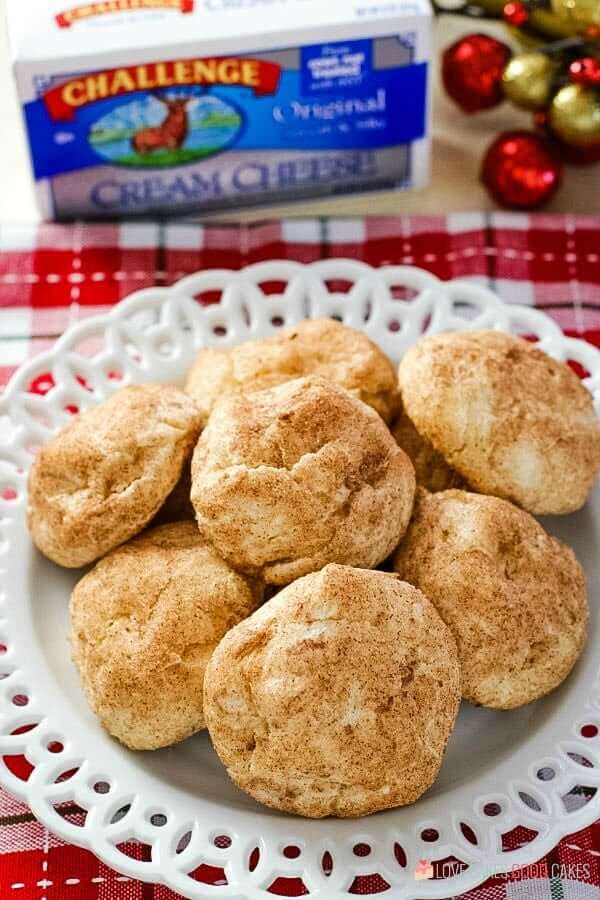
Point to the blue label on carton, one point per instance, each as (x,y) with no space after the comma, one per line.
(213,131)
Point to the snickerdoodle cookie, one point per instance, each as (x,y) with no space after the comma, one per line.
(337,697)
(313,347)
(144,623)
(288,479)
(508,418)
(514,597)
(431,469)
(104,476)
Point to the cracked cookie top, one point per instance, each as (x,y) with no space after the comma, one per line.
(144,623)
(337,697)
(103,477)
(321,347)
(289,479)
(513,596)
(511,420)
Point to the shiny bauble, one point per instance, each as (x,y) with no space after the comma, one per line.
(575,115)
(585,71)
(472,70)
(580,13)
(527,80)
(522,170)
(580,156)
(575,156)
(515,13)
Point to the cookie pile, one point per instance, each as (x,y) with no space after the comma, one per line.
(317,557)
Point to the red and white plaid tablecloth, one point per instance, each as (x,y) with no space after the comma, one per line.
(54,275)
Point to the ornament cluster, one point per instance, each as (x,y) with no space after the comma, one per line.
(558,82)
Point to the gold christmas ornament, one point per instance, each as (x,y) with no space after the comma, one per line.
(527,80)
(575,115)
(579,12)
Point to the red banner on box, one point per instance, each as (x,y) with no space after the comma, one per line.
(261,76)
(88,10)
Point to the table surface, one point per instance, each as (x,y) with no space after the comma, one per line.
(459,143)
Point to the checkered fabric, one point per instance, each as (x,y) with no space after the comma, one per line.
(54,275)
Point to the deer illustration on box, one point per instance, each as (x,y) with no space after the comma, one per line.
(170,134)
(155,130)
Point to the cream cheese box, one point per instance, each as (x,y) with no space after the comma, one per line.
(152,107)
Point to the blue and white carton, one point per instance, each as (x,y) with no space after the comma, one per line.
(138,107)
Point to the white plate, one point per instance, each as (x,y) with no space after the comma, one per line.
(181,797)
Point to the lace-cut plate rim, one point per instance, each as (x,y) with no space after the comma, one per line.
(512,784)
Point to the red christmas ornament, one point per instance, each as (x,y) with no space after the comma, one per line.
(515,13)
(521,170)
(472,71)
(575,156)
(585,71)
